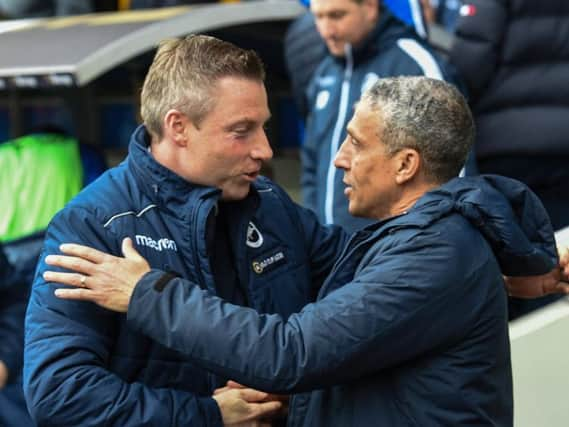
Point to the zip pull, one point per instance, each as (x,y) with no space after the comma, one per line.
(155,188)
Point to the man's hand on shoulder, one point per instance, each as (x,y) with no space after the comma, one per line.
(104,279)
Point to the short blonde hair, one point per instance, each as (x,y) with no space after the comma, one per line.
(184,73)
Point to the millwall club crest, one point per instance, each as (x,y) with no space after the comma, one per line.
(254,236)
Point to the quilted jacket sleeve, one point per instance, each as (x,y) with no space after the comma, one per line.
(394,309)
(68,346)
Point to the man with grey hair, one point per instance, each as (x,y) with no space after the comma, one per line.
(365,41)
(190,196)
(411,326)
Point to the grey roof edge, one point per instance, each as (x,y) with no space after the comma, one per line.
(13,72)
(199,18)
(19,24)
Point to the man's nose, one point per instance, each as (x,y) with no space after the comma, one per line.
(342,159)
(262,150)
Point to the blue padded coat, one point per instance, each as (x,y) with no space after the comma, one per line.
(410,328)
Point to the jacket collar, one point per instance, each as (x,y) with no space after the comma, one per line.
(505,212)
(387,29)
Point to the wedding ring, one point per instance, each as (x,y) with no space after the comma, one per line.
(83,280)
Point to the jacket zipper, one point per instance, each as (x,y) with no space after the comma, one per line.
(245,284)
(194,239)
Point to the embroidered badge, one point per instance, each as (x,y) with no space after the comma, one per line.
(254,236)
(322,99)
(268,262)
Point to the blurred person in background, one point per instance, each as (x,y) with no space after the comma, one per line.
(365,41)
(39,173)
(305,49)
(514,58)
(445,13)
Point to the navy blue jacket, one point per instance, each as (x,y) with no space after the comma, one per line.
(410,329)
(392,49)
(84,366)
(304,49)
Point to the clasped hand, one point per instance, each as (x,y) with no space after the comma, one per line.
(245,407)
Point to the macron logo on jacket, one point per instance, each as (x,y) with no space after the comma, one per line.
(159,245)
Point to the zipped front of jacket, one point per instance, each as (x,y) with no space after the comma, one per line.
(200,213)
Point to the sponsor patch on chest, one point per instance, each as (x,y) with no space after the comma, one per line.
(160,245)
(268,262)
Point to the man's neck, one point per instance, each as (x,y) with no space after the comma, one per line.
(410,198)
(164,154)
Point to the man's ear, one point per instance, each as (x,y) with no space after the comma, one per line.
(175,127)
(408,163)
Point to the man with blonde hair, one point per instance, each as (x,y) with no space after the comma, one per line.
(190,197)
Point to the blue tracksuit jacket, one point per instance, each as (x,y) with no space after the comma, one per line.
(84,366)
